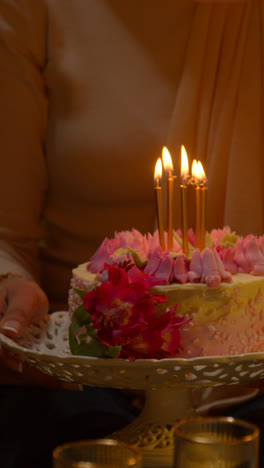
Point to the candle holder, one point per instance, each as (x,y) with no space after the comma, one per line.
(218,442)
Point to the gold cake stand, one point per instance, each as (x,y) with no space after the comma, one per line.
(167,383)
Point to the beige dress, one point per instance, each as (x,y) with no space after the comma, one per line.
(90,91)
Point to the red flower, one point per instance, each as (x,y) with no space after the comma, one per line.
(160,339)
(123,313)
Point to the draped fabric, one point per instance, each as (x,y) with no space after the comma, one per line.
(218,111)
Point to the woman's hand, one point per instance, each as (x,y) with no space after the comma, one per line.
(15,371)
(21,302)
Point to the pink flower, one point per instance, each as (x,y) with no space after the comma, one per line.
(122,311)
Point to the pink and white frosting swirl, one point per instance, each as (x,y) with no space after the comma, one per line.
(225,255)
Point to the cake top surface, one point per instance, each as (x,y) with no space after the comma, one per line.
(94,279)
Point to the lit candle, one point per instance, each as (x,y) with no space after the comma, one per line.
(183,187)
(203,185)
(167,163)
(198,203)
(201,201)
(157,181)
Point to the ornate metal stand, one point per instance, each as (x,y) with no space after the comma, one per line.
(167,383)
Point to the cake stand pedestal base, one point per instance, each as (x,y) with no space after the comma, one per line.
(152,430)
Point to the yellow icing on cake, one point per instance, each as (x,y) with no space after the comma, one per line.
(227,320)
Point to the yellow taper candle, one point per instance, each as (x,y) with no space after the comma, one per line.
(201,201)
(197,204)
(157,180)
(203,185)
(168,166)
(183,188)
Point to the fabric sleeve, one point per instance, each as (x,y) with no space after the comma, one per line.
(23,115)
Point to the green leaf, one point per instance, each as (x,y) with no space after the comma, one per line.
(112,351)
(72,339)
(83,337)
(94,348)
(91,331)
(80,292)
(82,316)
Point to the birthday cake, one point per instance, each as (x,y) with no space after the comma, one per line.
(133,300)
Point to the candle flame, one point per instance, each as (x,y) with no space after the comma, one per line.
(194,168)
(158,172)
(167,162)
(184,162)
(198,172)
(201,171)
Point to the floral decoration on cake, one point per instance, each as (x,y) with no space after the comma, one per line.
(119,319)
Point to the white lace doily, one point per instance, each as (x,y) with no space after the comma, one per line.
(45,346)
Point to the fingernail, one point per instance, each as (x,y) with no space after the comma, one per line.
(11,326)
